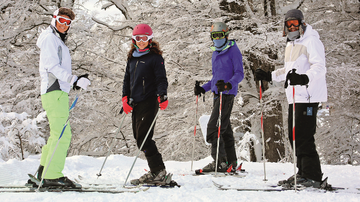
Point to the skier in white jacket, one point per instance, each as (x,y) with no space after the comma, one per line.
(305,69)
(56,81)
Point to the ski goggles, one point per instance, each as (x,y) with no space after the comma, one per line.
(290,23)
(62,20)
(218,35)
(143,38)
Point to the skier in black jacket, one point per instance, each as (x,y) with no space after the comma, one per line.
(144,91)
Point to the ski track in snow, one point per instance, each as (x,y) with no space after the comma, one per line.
(193,188)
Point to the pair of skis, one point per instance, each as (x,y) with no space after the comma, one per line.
(98,189)
(324,188)
(24,189)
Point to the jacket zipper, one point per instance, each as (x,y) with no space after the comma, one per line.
(132,87)
(143,85)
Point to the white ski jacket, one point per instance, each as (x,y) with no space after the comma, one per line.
(55,62)
(307,56)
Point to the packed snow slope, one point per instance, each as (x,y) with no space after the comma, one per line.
(193,188)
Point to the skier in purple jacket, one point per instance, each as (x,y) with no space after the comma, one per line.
(227,71)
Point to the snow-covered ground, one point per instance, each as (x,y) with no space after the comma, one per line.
(193,188)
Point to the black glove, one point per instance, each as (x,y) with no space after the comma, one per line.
(222,86)
(262,75)
(198,89)
(296,79)
(163,98)
(75,87)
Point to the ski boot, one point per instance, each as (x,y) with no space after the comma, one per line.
(62,182)
(289,181)
(150,178)
(222,167)
(30,182)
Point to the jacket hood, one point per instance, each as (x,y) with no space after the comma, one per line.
(309,32)
(46,32)
(43,36)
(53,20)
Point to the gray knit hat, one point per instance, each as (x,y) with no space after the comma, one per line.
(294,14)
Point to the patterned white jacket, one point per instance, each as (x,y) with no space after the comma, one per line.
(307,56)
(55,62)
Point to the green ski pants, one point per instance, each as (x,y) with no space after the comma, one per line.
(56,105)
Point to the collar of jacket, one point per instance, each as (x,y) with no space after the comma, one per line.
(63,39)
(230,43)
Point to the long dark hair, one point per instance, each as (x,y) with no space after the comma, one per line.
(155,48)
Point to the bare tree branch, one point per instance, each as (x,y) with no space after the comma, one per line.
(113,28)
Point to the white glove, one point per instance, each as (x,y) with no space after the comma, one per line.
(83,83)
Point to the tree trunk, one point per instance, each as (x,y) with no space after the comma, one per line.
(273,132)
(273,7)
(266,8)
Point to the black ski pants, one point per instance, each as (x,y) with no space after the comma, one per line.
(142,116)
(227,143)
(308,161)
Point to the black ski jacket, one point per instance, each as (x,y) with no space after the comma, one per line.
(145,77)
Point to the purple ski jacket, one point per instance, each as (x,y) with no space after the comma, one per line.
(226,65)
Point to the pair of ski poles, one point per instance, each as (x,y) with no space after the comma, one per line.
(219,128)
(293,132)
(142,144)
(262,133)
(218,140)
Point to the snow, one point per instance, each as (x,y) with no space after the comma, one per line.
(193,188)
(203,121)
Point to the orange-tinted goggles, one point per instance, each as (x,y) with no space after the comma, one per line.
(294,23)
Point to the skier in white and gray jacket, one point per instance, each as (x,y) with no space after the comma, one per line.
(305,70)
(56,81)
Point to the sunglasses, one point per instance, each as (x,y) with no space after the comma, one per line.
(63,20)
(217,35)
(143,38)
(294,23)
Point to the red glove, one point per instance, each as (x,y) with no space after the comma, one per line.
(127,108)
(163,102)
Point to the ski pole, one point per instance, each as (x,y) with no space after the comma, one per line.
(142,144)
(57,144)
(218,140)
(113,143)
(192,158)
(293,131)
(262,130)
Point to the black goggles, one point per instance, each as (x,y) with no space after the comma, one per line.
(218,35)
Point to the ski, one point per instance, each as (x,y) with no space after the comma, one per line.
(168,184)
(222,187)
(24,189)
(239,172)
(81,180)
(101,188)
(221,174)
(281,189)
(171,184)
